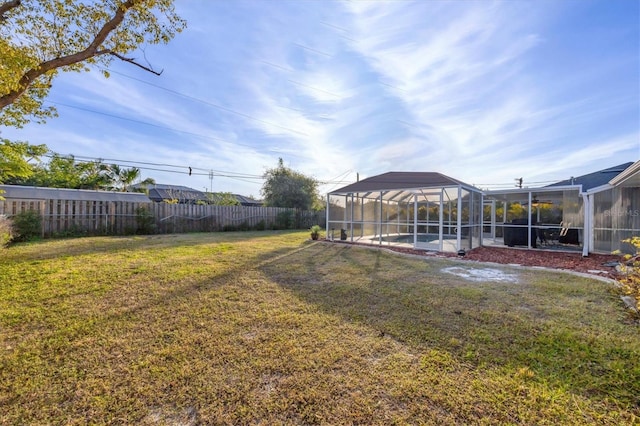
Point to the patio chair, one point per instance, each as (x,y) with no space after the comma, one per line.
(568,235)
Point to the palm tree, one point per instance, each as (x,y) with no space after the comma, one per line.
(122,179)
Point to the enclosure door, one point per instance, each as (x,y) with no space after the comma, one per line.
(489,219)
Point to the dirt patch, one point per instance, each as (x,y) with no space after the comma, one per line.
(481,274)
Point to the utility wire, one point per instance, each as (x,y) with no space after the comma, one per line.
(211,104)
(146,123)
(206,172)
(166,165)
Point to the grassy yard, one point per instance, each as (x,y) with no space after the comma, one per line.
(270,328)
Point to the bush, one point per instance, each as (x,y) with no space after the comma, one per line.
(630,267)
(6,231)
(145,221)
(315,232)
(27,225)
(285,220)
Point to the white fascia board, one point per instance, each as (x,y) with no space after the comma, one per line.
(600,188)
(536,190)
(626,174)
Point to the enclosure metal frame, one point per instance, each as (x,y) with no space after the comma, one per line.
(528,194)
(416,197)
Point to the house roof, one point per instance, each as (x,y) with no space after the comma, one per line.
(630,177)
(159,192)
(247,201)
(400,181)
(595,179)
(38,193)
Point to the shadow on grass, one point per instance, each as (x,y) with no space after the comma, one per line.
(125,348)
(566,330)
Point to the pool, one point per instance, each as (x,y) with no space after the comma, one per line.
(406,238)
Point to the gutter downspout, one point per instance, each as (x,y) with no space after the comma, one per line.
(326,225)
(529,222)
(459,221)
(441,220)
(586,237)
(415,220)
(380,221)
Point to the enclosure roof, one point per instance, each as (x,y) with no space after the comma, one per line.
(595,179)
(401,181)
(36,193)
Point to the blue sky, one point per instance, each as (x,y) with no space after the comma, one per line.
(482,91)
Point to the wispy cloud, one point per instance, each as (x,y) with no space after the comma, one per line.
(481,91)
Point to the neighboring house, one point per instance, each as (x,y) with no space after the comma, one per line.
(589,213)
(247,201)
(184,194)
(18,192)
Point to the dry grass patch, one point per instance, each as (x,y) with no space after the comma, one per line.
(268,328)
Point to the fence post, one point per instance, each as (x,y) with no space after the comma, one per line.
(41,207)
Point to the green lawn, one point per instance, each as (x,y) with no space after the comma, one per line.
(270,328)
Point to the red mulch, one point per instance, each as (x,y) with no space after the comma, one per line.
(547,259)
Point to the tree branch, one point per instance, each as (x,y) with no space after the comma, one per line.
(92,50)
(7,6)
(133,61)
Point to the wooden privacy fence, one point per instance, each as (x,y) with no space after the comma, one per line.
(74,217)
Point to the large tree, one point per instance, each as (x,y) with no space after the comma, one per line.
(284,187)
(39,38)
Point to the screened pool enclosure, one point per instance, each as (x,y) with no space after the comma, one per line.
(589,213)
(551,218)
(424,210)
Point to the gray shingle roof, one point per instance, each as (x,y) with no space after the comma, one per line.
(183,194)
(246,201)
(595,179)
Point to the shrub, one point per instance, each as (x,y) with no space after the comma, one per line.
(315,232)
(145,221)
(285,220)
(27,225)
(630,267)
(6,231)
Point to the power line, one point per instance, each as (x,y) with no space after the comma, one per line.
(211,104)
(166,165)
(146,123)
(244,177)
(183,172)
